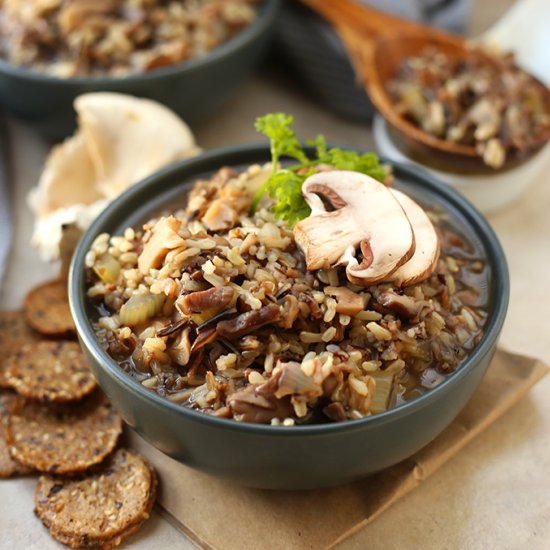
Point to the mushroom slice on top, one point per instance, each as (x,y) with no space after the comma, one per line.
(349,211)
(426,254)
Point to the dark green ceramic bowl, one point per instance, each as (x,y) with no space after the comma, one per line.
(296,457)
(192,89)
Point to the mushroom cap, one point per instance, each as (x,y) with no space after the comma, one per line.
(48,230)
(364,215)
(67,179)
(120,140)
(129,138)
(426,255)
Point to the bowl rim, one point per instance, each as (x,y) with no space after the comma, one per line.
(266,14)
(495,258)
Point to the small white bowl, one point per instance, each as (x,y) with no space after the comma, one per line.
(487,192)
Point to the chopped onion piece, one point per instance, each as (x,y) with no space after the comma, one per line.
(384,385)
(107,268)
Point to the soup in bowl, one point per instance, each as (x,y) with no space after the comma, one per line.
(288,344)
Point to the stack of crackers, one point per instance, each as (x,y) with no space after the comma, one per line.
(55,422)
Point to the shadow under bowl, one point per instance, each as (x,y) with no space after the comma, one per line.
(279,457)
(193,89)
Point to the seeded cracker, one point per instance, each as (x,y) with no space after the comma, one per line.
(63,439)
(50,371)
(14,334)
(47,309)
(8,466)
(100,509)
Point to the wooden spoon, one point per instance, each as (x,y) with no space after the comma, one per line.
(378,43)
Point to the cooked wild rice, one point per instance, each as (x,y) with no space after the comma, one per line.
(220,315)
(116,37)
(484,101)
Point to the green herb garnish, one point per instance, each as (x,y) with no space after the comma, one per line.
(285,184)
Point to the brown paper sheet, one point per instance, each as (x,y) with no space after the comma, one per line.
(219,515)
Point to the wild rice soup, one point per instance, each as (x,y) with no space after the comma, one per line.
(67,38)
(214,309)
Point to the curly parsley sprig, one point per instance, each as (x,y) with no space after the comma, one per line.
(285,184)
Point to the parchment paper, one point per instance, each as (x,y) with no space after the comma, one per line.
(219,515)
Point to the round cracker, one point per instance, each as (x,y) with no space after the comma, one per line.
(50,371)
(47,309)
(102,508)
(63,439)
(14,334)
(8,466)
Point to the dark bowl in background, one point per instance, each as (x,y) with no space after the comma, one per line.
(279,457)
(193,89)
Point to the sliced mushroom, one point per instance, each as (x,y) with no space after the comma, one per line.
(249,321)
(196,302)
(253,405)
(403,305)
(351,210)
(426,254)
(180,350)
(347,301)
(219,216)
(293,381)
(164,238)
